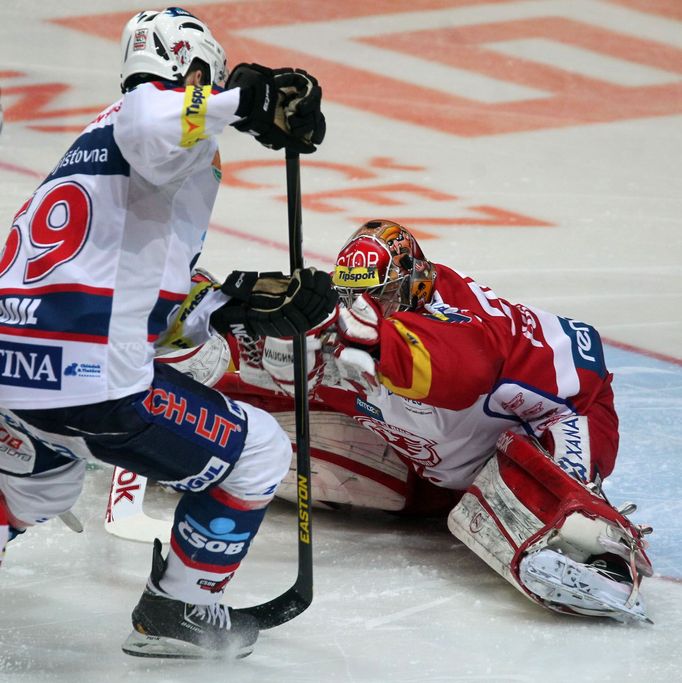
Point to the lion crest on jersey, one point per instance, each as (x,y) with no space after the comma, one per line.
(417,448)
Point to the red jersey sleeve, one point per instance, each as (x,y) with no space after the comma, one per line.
(443,363)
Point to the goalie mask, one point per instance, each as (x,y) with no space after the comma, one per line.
(163,44)
(384,259)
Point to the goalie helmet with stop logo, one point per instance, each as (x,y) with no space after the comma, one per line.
(165,44)
(384,259)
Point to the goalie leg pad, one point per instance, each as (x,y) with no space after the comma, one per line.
(349,464)
(522,504)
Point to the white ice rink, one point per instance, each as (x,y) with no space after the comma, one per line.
(534,144)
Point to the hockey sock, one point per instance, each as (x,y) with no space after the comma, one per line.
(211,535)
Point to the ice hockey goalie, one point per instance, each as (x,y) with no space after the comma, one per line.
(553,537)
(430,394)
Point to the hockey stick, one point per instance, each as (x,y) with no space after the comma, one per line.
(125,516)
(297,598)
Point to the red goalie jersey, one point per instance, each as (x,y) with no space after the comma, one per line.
(463,367)
(468,366)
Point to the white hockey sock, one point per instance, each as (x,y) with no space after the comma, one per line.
(190,584)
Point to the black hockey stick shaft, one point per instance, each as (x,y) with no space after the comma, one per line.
(297,598)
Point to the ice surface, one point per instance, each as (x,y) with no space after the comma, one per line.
(396,599)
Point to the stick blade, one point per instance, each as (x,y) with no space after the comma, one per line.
(140,528)
(279,610)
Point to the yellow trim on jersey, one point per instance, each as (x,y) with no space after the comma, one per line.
(175,335)
(421,366)
(349,276)
(194,114)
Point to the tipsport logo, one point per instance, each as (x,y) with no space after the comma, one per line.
(349,276)
(194,115)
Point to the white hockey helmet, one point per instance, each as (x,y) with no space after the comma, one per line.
(164,44)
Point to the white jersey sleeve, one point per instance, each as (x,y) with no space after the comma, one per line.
(158,128)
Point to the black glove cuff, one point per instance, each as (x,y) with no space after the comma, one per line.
(246,98)
(258,93)
(231,315)
(239,284)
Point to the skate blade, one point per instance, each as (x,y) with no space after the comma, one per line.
(556,578)
(141,645)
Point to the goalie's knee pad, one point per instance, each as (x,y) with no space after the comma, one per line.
(349,465)
(556,540)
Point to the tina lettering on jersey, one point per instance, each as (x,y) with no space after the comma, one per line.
(30,365)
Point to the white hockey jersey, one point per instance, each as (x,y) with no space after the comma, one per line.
(100,256)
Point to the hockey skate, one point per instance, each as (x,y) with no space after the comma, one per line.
(163,627)
(587,589)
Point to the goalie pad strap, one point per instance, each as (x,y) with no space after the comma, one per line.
(554,494)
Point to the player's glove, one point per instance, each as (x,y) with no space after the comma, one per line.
(358,325)
(302,104)
(351,369)
(273,304)
(278,357)
(280,108)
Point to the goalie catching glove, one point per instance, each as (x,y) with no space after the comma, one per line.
(280,107)
(273,304)
(358,326)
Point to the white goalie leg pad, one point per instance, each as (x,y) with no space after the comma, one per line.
(349,464)
(571,450)
(553,538)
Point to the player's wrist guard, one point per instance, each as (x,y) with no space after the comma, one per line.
(280,108)
(273,304)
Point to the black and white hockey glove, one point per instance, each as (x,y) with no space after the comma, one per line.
(275,305)
(302,103)
(280,108)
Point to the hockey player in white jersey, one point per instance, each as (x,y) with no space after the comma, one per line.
(507,407)
(96,262)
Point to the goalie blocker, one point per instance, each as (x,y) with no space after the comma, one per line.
(556,540)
